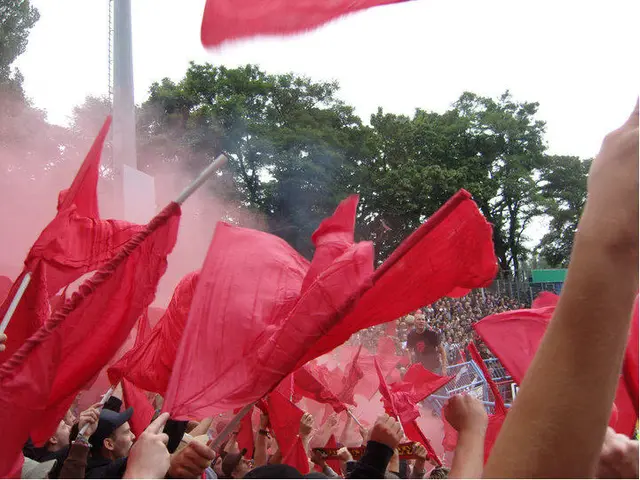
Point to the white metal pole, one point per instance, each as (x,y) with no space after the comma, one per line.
(14,302)
(204,175)
(105,399)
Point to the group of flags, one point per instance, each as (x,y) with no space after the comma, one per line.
(255,313)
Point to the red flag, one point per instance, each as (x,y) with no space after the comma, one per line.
(5,287)
(39,383)
(453,248)
(385,391)
(514,338)
(307,382)
(297,457)
(254,335)
(149,364)
(350,380)
(75,242)
(332,238)
(631,365)
(333,464)
(497,419)
(245,433)
(415,434)
(224,20)
(284,417)
(142,410)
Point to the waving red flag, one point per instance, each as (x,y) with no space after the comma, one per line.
(38,384)
(414,433)
(308,383)
(224,20)
(75,242)
(453,248)
(149,364)
(284,417)
(142,410)
(297,457)
(245,436)
(353,375)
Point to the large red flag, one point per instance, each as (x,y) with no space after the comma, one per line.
(297,457)
(453,248)
(514,338)
(224,20)
(38,384)
(254,335)
(75,242)
(149,364)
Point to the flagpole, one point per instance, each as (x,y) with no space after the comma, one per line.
(14,302)
(204,175)
(105,399)
(235,421)
(354,418)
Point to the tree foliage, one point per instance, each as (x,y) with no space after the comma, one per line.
(17,17)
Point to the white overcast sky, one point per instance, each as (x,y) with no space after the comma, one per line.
(579,59)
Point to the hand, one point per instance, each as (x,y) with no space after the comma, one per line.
(149,457)
(306,425)
(332,421)
(90,417)
(611,212)
(364,433)
(319,458)
(264,421)
(387,431)
(618,457)
(191,461)
(419,451)
(466,413)
(344,455)
(3,339)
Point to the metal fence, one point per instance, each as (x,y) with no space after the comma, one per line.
(468,379)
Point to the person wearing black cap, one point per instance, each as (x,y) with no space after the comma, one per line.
(235,465)
(110,445)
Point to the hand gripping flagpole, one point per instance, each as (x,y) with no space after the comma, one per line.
(235,421)
(9,367)
(14,302)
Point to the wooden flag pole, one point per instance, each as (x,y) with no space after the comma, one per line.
(14,302)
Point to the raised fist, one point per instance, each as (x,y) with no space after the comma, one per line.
(466,413)
(387,431)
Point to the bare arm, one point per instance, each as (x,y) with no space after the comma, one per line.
(467,415)
(202,428)
(260,452)
(443,358)
(580,357)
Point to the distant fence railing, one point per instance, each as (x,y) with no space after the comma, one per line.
(468,378)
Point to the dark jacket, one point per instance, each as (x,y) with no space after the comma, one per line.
(100,467)
(373,463)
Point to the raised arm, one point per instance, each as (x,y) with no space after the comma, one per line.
(557,424)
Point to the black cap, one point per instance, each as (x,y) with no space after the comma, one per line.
(274,471)
(231,461)
(109,422)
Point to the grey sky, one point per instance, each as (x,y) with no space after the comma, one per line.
(577,58)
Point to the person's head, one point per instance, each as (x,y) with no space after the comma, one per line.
(235,465)
(274,471)
(60,439)
(420,322)
(113,438)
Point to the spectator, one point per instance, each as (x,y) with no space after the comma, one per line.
(426,347)
(110,445)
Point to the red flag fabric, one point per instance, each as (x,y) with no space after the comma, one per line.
(631,365)
(308,383)
(284,417)
(385,391)
(245,433)
(333,464)
(5,287)
(149,364)
(223,20)
(142,410)
(414,433)
(514,338)
(75,242)
(39,383)
(332,239)
(297,457)
(545,299)
(496,419)
(425,267)
(254,337)
(350,380)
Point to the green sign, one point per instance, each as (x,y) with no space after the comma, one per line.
(549,276)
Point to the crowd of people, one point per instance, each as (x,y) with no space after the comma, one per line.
(564,435)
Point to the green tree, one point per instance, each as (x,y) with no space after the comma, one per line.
(565,192)
(491,147)
(17,17)
(291,142)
